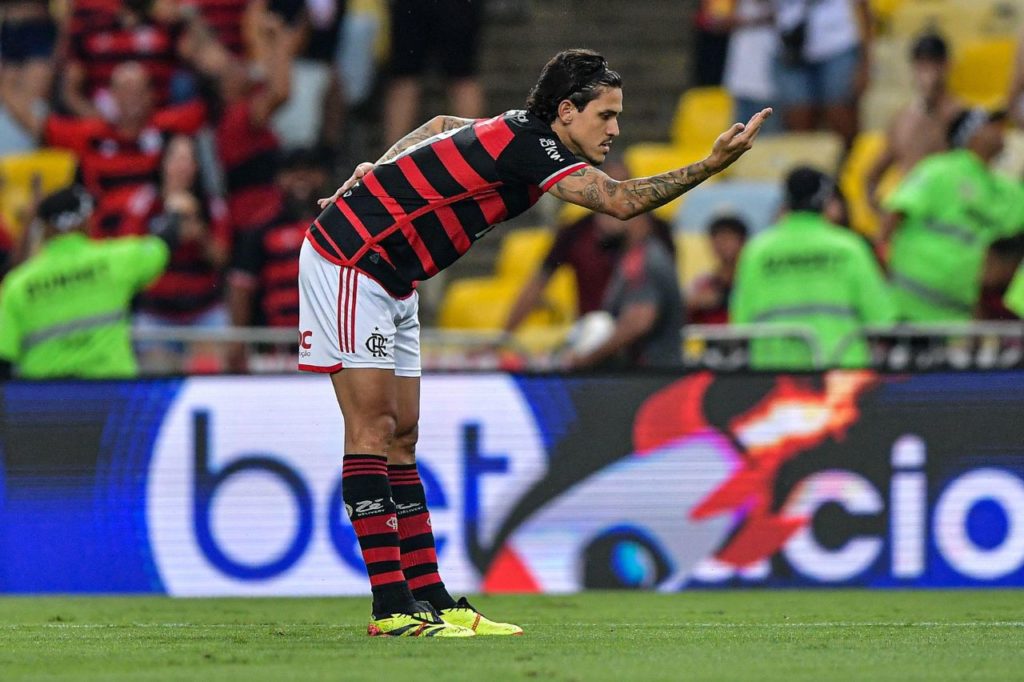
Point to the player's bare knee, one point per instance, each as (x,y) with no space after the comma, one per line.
(403,448)
(374,434)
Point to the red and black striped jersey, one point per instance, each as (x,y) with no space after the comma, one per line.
(191,284)
(412,217)
(249,154)
(225,19)
(114,165)
(266,260)
(103,42)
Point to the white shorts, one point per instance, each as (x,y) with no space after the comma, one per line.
(348,320)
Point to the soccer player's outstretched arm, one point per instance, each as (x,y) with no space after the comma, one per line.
(593,189)
(435,126)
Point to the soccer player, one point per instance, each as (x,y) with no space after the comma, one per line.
(405,218)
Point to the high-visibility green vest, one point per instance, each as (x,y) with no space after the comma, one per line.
(806,271)
(954,208)
(64,312)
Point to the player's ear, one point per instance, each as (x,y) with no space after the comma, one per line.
(566,111)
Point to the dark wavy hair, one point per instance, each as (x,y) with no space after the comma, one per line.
(576,75)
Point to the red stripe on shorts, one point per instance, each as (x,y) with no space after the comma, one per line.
(352,313)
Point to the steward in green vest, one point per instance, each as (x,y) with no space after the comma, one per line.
(805,271)
(64,312)
(943,218)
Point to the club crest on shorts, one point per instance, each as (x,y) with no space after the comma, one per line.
(377,344)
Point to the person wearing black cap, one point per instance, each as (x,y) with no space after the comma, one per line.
(64,312)
(806,272)
(919,128)
(942,219)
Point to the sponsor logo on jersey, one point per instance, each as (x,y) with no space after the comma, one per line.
(550,148)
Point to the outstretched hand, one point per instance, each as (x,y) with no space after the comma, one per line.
(357,175)
(735,141)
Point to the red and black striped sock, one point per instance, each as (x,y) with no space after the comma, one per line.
(419,557)
(367,495)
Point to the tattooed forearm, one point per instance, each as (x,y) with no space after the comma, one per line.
(415,137)
(593,189)
(453,122)
(435,126)
(658,190)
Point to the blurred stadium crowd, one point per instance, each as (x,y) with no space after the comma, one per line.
(227,118)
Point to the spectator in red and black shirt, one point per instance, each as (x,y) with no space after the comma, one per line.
(117,157)
(707,299)
(190,291)
(247,147)
(153,34)
(226,19)
(264,273)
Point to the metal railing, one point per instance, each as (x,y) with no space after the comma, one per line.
(976,345)
(726,347)
(918,347)
(268,349)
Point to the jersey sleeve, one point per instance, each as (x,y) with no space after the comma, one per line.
(913,196)
(537,159)
(185,118)
(10,330)
(69,133)
(141,259)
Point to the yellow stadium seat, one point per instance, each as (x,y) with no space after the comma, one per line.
(558,306)
(883,10)
(477,303)
(958,20)
(540,339)
(522,251)
(54,168)
(571,213)
(982,70)
(694,256)
(774,156)
(484,303)
(701,116)
(866,149)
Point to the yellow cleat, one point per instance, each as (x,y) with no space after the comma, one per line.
(421,623)
(463,614)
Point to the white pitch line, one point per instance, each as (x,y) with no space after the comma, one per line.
(821,624)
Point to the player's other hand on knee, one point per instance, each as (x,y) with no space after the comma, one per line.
(357,175)
(735,141)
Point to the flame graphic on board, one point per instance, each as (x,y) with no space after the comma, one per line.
(791,419)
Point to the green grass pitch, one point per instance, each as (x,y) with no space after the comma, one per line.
(751,635)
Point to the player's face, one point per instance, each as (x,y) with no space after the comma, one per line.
(593,129)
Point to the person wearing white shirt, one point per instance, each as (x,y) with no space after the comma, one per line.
(753,44)
(821,67)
